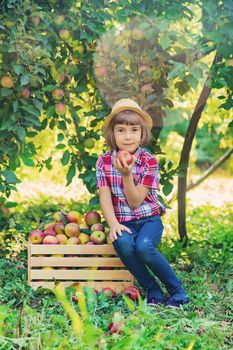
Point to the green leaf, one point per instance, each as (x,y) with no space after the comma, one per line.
(60,146)
(167,188)
(6,92)
(71,174)
(10,204)
(31,110)
(60,137)
(21,133)
(94,201)
(18,69)
(27,161)
(24,80)
(15,105)
(49,87)
(65,158)
(10,177)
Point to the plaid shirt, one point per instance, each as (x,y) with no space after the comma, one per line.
(145,172)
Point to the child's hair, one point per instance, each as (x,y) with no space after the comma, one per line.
(127,117)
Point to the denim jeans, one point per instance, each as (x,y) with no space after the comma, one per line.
(137,251)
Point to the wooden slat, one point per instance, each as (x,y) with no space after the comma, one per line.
(117,286)
(72,249)
(52,261)
(29,264)
(81,274)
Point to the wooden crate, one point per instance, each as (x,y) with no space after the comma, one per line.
(84,268)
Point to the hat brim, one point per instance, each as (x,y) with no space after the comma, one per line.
(147,118)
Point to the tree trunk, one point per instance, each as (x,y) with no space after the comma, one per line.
(207,173)
(184,158)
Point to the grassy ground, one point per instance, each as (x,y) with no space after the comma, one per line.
(37,320)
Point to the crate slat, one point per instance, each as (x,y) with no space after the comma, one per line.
(81,274)
(52,261)
(98,285)
(72,249)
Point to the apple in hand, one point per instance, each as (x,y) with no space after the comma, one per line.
(98,237)
(124,155)
(36,236)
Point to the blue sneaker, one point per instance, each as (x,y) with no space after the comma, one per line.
(154,302)
(176,303)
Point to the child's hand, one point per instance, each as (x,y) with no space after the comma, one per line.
(123,167)
(116,230)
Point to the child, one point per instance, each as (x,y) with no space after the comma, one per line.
(130,204)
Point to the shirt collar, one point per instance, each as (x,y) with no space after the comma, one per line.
(136,154)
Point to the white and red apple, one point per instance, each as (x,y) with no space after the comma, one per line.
(124,155)
(36,236)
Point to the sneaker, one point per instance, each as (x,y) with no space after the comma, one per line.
(176,303)
(154,302)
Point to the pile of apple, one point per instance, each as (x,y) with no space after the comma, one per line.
(67,228)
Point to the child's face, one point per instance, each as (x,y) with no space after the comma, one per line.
(128,137)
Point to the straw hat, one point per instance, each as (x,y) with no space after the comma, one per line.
(123,105)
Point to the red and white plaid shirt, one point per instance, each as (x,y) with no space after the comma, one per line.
(145,172)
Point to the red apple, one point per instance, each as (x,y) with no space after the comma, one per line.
(36,236)
(73,240)
(59,228)
(49,232)
(92,217)
(50,240)
(98,237)
(73,216)
(64,78)
(109,291)
(60,108)
(124,155)
(26,93)
(36,20)
(84,238)
(50,225)
(7,82)
(74,299)
(132,293)
(100,71)
(59,216)
(146,88)
(72,229)
(58,94)
(64,34)
(97,227)
(113,328)
(62,239)
(5,211)
(137,34)
(59,19)
(90,243)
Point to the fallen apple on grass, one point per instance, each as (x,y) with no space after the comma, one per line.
(132,292)
(109,292)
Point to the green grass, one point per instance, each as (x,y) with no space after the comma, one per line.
(37,319)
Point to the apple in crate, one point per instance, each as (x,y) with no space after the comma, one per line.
(49,232)
(36,236)
(92,217)
(124,155)
(84,225)
(73,216)
(59,228)
(50,225)
(90,243)
(98,237)
(59,216)
(50,240)
(84,238)
(72,229)
(73,240)
(57,255)
(97,227)
(62,239)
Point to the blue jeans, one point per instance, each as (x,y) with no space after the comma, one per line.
(137,250)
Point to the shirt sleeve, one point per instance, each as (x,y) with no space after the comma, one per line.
(150,175)
(101,179)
